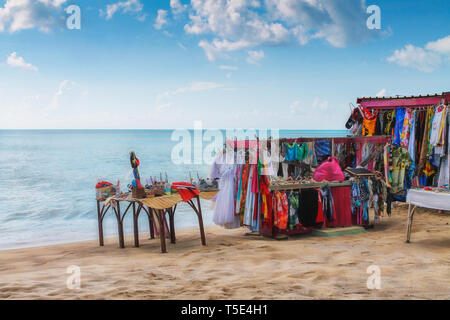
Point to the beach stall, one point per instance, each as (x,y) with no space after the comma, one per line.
(416,162)
(158,199)
(303,189)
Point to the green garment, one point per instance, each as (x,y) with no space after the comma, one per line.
(401,160)
(302,152)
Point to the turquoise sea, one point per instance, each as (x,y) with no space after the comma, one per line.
(48,177)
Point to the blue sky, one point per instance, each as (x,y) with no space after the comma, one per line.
(287,64)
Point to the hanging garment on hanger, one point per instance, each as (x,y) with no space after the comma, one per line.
(327,203)
(281,210)
(425,139)
(224,201)
(400,163)
(412,137)
(389,122)
(399,119)
(250,198)
(420,125)
(323,150)
(293,209)
(369,123)
(308,207)
(379,126)
(302,152)
(404,136)
(436,125)
(290,151)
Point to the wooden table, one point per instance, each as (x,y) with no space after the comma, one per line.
(426,199)
(156,209)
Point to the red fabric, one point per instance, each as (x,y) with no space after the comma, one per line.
(102,184)
(320,220)
(329,170)
(342,210)
(186,190)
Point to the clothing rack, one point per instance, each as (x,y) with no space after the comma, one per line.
(310,185)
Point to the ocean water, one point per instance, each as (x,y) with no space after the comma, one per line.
(48,177)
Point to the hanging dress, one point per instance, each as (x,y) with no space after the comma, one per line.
(225,169)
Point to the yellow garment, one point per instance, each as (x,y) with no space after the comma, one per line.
(369,127)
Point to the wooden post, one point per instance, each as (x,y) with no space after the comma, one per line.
(100,224)
(136,227)
(172,225)
(162,230)
(151,223)
(411,209)
(200,222)
(120,226)
(332,148)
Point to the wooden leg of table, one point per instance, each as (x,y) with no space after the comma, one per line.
(411,209)
(162,230)
(151,224)
(135,224)
(120,226)
(172,225)
(100,224)
(200,221)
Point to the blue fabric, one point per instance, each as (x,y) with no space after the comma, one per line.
(323,148)
(399,119)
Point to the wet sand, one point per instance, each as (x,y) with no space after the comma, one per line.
(235,266)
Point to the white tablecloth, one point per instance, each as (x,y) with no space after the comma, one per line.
(429,199)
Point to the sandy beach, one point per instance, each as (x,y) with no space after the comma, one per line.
(235,266)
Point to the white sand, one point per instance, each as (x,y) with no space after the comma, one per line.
(234,266)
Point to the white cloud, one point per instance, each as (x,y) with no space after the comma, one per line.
(16,15)
(177,7)
(182,46)
(63,87)
(163,106)
(441,46)
(425,59)
(192,87)
(19,62)
(381,93)
(320,104)
(255,56)
(295,107)
(417,58)
(218,48)
(134,7)
(161,19)
(245,24)
(225,67)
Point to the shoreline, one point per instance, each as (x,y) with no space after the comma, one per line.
(235,266)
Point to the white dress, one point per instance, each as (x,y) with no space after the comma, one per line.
(224,200)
